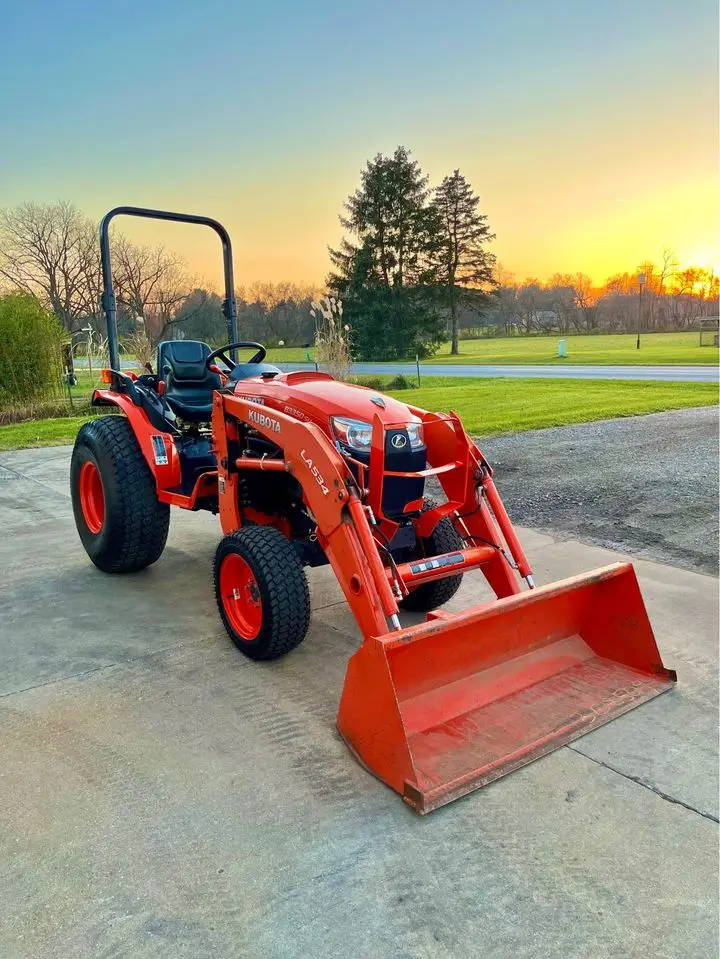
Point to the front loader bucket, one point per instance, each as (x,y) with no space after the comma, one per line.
(442,708)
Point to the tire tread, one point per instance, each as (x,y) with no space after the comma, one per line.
(138,522)
(286,597)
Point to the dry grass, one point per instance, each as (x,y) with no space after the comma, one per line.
(138,345)
(43,409)
(332,349)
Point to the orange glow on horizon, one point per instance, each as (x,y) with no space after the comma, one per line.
(281,231)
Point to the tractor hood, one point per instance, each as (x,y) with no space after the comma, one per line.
(318,397)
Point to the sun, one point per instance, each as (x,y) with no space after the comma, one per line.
(703,259)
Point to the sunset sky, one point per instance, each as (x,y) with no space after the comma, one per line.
(589,127)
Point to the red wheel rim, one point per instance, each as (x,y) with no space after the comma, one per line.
(240,596)
(92,498)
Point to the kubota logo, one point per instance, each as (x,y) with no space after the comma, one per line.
(267,422)
(315,472)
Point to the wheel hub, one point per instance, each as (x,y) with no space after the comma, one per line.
(92,497)
(241,597)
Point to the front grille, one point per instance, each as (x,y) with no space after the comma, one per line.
(399,457)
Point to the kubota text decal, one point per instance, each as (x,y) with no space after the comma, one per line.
(263,420)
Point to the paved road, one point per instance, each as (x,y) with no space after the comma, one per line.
(162,797)
(699,374)
(694,374)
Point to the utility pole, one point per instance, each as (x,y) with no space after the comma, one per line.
(641,282)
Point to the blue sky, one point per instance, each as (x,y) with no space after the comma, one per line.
(589,129)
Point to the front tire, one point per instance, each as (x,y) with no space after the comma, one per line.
(121,524)
(443,539)
(261,592)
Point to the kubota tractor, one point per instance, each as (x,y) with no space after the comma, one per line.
(304,471)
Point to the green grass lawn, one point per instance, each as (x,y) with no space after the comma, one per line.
(86,383)
(660,349)
(490,407)
(487,407)
(290,354)
(611,350)
(52,432)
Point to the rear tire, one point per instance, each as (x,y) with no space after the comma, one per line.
(443,539)
(261,592)
(121,524)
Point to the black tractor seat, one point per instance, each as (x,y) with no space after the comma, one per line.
(189,385)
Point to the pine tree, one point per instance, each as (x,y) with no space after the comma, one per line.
(464,266)
(385,272)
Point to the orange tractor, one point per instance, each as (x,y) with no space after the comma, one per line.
(304,471)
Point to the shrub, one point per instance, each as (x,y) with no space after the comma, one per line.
(372,382)
(400,382)
(30,351)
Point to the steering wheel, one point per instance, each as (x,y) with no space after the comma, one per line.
(255,358)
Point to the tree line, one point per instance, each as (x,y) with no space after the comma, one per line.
(413,270)
(672,298)
(51,252)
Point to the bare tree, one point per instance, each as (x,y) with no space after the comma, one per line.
(668,269)
(576,301)
(51,252)
(692,294)
(281,310)
(506,304)
(561,301)
(530,303)
(147,277)
(168,297)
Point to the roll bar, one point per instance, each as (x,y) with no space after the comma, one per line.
(108,303)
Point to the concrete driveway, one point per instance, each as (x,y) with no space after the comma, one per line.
(161,796)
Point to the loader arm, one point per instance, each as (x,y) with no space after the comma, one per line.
(330,494)
(438,709)
(473,503)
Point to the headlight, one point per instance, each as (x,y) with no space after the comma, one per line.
(357,434)
(415,435)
